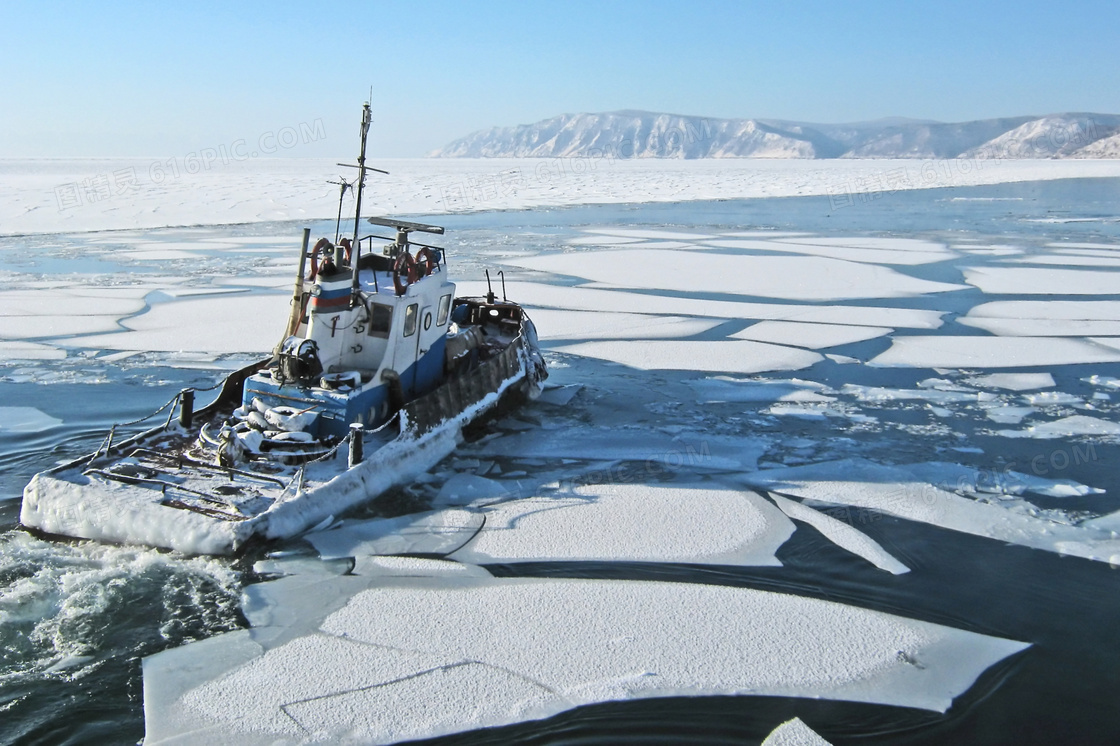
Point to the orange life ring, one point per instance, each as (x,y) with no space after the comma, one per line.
(428,260)
(405,272)
(321,245)
(345,245)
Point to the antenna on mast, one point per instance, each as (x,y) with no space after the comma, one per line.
(344,185)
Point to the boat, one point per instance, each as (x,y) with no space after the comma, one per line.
(379,369)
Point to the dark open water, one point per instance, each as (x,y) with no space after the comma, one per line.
(76,618)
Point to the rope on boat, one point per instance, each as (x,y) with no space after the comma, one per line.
(107,444)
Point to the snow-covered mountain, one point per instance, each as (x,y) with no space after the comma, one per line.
(640,134)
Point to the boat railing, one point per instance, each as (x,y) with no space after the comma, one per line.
(230,390)
(462,391)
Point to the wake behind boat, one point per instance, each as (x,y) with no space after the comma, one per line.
(380,368)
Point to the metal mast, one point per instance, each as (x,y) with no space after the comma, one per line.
(361,172)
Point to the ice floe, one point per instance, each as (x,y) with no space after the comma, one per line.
(654,450)
(214,325)
(737,356)
(1078,424)
(794,733)
(1027,327)
(902,492)
(934,395)
(721,389)
(1049,281)
(796,278)
(25,420)
(555,324)
(1013,381)
(811,336)
(435,532)
(13,351)
(906,252)
(991,352)
(633,523)
(592,299)
(459,653)
(842,535)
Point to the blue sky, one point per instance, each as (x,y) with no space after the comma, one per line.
(151,79)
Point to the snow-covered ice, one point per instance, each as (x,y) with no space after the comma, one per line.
(842,534)
(898,491)
(811,336)
(723,389)
(1013,381)
(991,352)
(1039,281)
(1078,424)
(436,532)
(794,733)
(633,523)
(806,278)
(263,189)
(462,653)
(739,356)
(26,420)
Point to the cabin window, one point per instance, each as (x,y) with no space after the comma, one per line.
(380,319)
(444,307)
(410,319)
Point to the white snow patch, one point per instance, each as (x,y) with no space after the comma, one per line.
(26,420)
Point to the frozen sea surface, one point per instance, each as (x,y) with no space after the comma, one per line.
(853,442)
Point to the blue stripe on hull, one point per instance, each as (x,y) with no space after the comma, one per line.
(338,409)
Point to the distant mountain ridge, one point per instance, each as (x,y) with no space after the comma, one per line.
(641,134)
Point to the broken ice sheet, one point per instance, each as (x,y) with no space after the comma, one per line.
(1067,426)
(581,325)
(818,278)
(811,336)
(901,251)
(25,420)
(433,532)
(732,356)
(198,325)
(458,654)
(898,491)
(991,352)
(723,389)
(633,523)
(842,535)
(794,733)
(1014,381)
(655,449)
